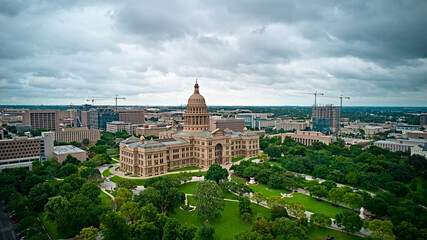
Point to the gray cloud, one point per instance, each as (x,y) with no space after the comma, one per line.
(242,52)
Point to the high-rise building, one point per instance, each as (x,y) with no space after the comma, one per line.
(326,118)
(42,119)
(100,116)
(135,116)
(21,152)
(423,119)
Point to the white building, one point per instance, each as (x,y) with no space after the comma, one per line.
(419,150)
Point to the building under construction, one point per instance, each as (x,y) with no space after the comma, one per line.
(326,118)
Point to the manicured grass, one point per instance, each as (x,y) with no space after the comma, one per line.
(113,150)
(106,172)
(185,169)
(311,204)
(275,163)
(314,233)
(253,158)
(51,227)
(141,182)
(106,200)
(189,188)
(228,225)
(114,193)
(237,159)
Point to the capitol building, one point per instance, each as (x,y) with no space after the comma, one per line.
(195,145)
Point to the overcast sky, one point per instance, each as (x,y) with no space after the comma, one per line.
(242,52)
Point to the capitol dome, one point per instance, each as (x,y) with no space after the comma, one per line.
(196,99)
(196,117)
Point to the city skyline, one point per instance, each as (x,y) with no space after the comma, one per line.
(242,53)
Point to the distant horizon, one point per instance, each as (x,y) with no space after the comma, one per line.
(64,105)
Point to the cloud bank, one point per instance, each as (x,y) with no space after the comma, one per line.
(241,52)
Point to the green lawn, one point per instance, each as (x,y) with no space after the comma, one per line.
(311,204)
(237,159)
(189,188)
(106,200)
(228,225)
(114,193)
(314,233)
(185,169)
(51,227)
(106,172)
(141,182)
(275,163)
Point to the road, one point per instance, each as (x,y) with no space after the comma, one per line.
(6,231)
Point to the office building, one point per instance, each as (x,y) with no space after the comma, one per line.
(195,145)
(289,125)
(150,130)
(326,118)
(42,119)
(419,150)
(78,134)
(101,116)
(117,126)
(60,153)
(309,137)
(22,151)
(133,116)
(234,124)
(394,146)
(423,119)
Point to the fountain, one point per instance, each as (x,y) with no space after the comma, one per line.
(252,181)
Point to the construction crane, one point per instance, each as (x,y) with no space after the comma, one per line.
(341,98)
(117,98)
(315,97)
(95,98)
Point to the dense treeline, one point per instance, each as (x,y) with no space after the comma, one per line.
(398,179)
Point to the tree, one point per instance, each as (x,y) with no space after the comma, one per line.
(39,195)
(67,170)
(171,231)
(377,206)
(351,178)
(89,233)
(123,195)
(89,173)
(130,211)
(128,184)
(321,171)
(287,229)
(216,173)
(70,159)
(273,151)
(259,197)
(188,231)
(320,219)
(205,232)
(55,208)
(406,231)
(349,220)
(297,210)
(209,200)
(381,229)
(398,188)
(149,212)
(244,205)
(276,181)
(114,226)
(337,194)
(184,176)
(353,200)
(318,191)
(85,141)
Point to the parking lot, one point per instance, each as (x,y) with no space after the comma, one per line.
(6,230)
